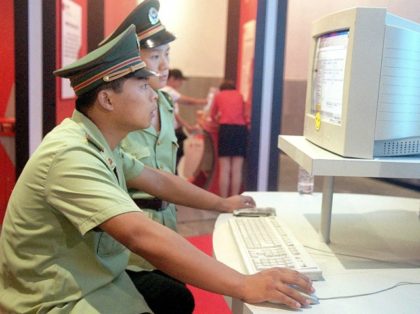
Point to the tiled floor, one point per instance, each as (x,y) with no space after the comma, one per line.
(195,222)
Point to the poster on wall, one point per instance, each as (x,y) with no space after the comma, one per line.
(71,40)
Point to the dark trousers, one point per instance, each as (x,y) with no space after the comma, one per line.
(181,137)
(163,293)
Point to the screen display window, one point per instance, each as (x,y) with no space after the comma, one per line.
(328,75)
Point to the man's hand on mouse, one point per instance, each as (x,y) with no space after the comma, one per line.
(274,285)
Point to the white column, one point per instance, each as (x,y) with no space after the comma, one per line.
(267,94)
(35,76)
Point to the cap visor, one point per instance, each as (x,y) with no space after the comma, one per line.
(144,73)
(159,39)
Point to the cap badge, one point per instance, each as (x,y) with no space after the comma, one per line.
(153,16)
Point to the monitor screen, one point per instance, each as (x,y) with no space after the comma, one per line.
(362,98)
(328,75)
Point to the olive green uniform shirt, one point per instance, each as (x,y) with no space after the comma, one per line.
(53,258)
(157,150)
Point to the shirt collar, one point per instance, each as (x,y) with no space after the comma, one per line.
(95,137)
(163,101)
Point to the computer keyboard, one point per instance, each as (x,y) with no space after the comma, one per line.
(265,242)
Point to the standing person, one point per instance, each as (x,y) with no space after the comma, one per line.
(228,109)
(175,80)
(70,222)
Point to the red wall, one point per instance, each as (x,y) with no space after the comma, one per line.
(7,79)
(115,13)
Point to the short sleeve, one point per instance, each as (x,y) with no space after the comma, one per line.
(132,167)
(214,109)
(82,188)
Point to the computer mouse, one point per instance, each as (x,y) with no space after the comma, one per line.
(255,212)
(313,299)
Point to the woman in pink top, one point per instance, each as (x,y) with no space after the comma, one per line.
(228,110)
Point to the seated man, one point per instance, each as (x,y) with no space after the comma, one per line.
(70,224)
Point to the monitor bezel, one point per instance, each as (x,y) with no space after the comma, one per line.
(354,137)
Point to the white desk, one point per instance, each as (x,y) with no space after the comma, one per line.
(320,162)
(340,278)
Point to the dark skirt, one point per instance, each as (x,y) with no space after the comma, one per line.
(232,140)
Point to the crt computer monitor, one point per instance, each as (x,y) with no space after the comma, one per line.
(363,92)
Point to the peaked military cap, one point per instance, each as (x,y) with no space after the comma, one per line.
(116,59)
(150,31)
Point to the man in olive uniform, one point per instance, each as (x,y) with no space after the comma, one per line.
(70,223)
(155,146)
(54,254)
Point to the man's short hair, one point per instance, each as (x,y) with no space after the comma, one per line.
(87,99)
(176,74)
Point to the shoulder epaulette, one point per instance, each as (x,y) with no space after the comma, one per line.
(168,98)
(94,143)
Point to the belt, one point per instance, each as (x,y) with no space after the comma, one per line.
(154,203)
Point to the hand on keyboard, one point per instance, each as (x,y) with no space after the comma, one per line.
(234,202)
(274,285)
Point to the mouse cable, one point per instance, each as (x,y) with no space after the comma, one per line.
(332,254)
(399,284)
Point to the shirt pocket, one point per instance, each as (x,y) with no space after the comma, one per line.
(108,246)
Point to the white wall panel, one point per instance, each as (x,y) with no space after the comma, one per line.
(200,27)
(301,14)
(35,73)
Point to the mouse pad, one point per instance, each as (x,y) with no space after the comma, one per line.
(380,239)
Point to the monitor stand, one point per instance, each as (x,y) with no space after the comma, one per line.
(320,162)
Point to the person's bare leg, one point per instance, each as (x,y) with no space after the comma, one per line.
(224,176)
(236,176)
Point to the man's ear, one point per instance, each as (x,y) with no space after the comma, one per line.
(104,100)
